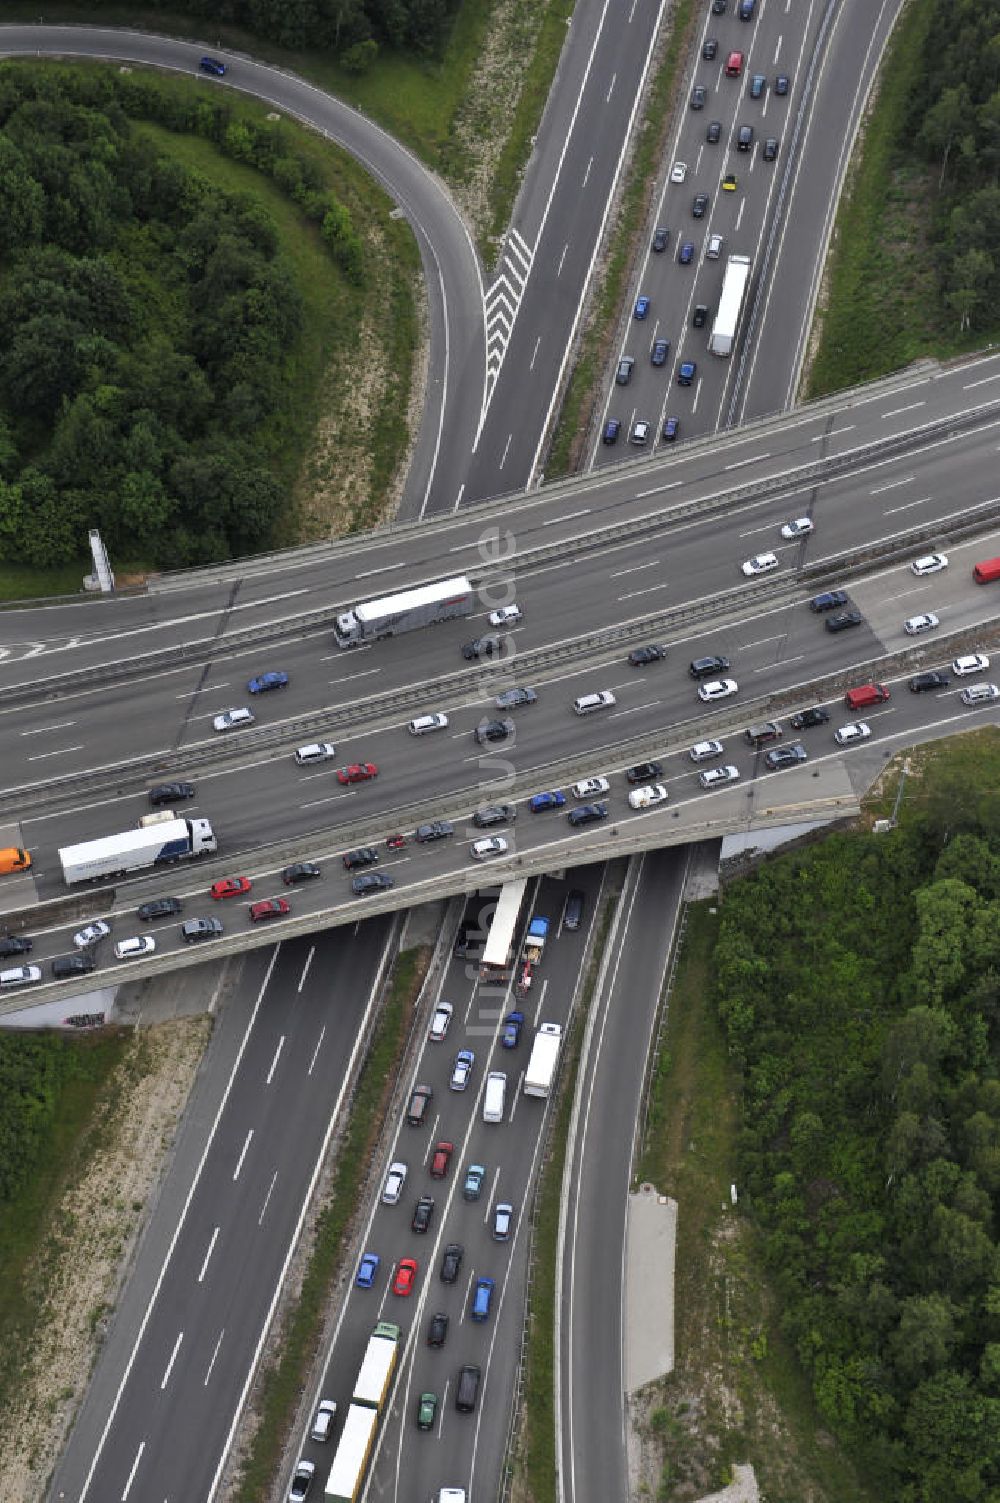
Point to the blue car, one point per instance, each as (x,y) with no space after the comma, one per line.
(746,9)
(641,306)
(213,66)
(510,1033)
(553,800)
(265,681)
(686,372)
(612,428)
(661,349)
(671,428)
(482,1294)
(686,253)
(368,1270)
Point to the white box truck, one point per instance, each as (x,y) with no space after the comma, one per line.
(404,612)
(541,1071)
(727,316)
(343,1485)
(135,850)
(378,1365)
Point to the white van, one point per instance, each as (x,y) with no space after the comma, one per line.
(980,694)
(161,817)
(496,1096)
(425,723)
(319,751)
(20,975)
(588,702)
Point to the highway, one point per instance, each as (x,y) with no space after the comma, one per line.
(159,1416)
(780,214)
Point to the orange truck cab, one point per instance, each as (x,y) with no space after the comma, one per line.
(13,859)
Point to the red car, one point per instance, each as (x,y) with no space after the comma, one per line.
(357,772)
(231,887)
(395,842)
(406,1276)
(269,908)
(442,1157)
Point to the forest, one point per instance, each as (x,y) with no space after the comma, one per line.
(955,125)
(145,324)
(859,986)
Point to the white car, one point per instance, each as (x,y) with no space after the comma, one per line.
(713,776)
(131,949)
(798,528)
(980,694)
(640,432)
(493,845)
(425,723)
(704,751)
(440,1022)
(931,563)
(505,616)
(718,688)
(974,662)
(590,787)
(714,250)
(231,720)
(860,730)
(93,932)
(645,798)
(323,1419)
(461,1070)
(394,1182)
(678,172)
(318,751)
(917,624)
(760,564)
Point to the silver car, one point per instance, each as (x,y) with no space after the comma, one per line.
(94,932)
(394,1182)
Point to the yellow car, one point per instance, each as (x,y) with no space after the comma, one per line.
(729,183)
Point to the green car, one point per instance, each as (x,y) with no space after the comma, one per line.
(427,1411)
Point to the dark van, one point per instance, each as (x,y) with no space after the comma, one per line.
(760,735)
(467,1391)
(573,917)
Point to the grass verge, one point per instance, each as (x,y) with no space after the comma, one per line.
(281,1386)
(881,273)
(573,422)
(737,1393)
(70,1138)
(539,1454)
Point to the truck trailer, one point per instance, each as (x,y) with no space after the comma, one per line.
(734,286)
(541,1071)
(404,612)
(136,850)
(347,1474)
(378,1365)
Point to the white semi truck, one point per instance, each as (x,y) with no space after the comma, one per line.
(404,612)
(136,850)
(727,317)
(541,1071)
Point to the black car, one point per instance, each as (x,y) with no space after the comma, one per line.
(481,647)
(698,96)
(699,206)
(437,829)
(494,730)
(708,667)
(770,152)
(422,1213)
(933,680)
(437,1331)
(700,317)
(842,620)
(213,66)
(710,49)
(65,966)
(494,814)
(786,756)
(640,656)
(512,699)
(718,7)
(744,138)
(781,84)
(365,855)
(371,882)
(451,1263)
(806,718)
(623,374)
(714,133)
(159,908)
(573,912)
(15,944)
(661,238)
(644,772)
(587,814)
(170,793)
(828,601)
(301,871)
